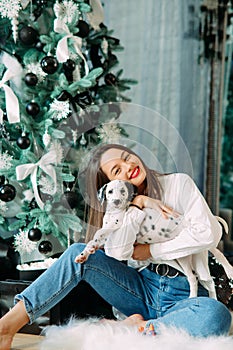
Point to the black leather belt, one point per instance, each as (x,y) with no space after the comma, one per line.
(165,270)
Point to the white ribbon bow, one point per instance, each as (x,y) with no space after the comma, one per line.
(62,52)
(12,103)
(22,171)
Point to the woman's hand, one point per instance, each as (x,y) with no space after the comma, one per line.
(147,202)
(141,251)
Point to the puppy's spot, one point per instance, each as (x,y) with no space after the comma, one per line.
(153,227)
(145,228)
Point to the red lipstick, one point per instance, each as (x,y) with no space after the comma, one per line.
(135,172)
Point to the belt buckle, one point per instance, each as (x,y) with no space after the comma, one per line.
(166,272)
(174,276)
(157,269)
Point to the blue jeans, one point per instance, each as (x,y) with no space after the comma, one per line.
(161,300)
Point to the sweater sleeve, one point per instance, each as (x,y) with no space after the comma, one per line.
(200,230)
(120,242)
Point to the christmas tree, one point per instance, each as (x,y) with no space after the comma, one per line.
(58,85)
(226,194)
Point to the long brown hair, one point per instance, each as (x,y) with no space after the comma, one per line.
(95,179)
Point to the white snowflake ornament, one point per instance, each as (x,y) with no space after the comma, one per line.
(36,69)
(5,161)
(10,9)
(59,109)
(47,185)
(22,244)
(66,10)
(109,133)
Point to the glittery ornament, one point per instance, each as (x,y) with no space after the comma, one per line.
(45,247)
(28,35)
(49,64)
(110,79)
(32,108)
(69,65)
(31,79)
(23,142)
(7,192)
(83,141)
(34,234)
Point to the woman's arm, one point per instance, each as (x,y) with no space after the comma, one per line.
(200,230)
(147,202)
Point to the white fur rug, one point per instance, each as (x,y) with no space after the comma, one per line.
(91,334)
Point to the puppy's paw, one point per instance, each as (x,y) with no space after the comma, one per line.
(81,258)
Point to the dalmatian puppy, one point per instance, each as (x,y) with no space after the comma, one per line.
(117,194)
(154,229)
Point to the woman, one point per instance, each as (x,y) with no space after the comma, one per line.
(158,293)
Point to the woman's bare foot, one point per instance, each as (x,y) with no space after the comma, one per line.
(10,323)
(5,338)
(135,320)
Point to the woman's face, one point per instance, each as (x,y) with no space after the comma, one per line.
(118,164)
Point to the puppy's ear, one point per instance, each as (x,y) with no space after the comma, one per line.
(101,194)
(132,190)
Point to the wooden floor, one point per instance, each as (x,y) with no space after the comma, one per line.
(26,342)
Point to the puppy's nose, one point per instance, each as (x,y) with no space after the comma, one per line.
(116,201)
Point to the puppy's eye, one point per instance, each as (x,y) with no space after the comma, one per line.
(110,191)
(122,191)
